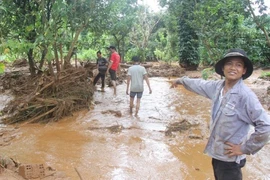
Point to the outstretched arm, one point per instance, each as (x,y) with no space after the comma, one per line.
(206,88)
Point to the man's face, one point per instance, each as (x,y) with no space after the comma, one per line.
(234,68)
(98,55)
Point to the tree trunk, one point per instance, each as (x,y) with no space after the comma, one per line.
(61,56)
(123,53)
(70,52)
(56,58)
(43,55)
(50,68)
(32,68)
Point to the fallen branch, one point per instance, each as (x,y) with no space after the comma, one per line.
(78,174)
(38,117)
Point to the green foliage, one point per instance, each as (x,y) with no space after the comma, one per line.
(265,74)
(89,55)
(190,31)
(120,19)
(50,54)
(266,54)
(164,45)
(34,26)
(143,30)
(207,72)
(160,54)
(218,24)
(13,49)
(188,39)
(2,68)
(132,52)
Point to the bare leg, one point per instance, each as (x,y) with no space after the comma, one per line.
(131,102)
(138,106)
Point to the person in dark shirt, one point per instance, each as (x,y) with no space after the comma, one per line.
(102,65)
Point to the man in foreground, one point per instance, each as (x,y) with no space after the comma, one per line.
(234,108)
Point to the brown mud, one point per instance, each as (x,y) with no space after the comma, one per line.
(165,141)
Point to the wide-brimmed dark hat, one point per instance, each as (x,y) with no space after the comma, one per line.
(235,53)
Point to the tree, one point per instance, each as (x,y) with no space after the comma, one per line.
(143,29)
(122,17)
(262,21)
(19,21)
(219,25)
(38,25)
(188,41)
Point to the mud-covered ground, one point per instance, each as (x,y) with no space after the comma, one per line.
(9,166)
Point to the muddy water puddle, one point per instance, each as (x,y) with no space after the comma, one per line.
(109,146)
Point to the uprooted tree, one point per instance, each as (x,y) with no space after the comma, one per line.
(45,99)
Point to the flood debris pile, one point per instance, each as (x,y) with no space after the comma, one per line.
(115,113)
(159,69)
(112,129)
(116,128)
(47,98)
(181,126)
(166,70)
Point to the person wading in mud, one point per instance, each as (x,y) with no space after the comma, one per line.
(234,108)
(136,76)
(113,66)
(102,66)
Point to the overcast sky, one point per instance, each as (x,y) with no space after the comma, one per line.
(153,4)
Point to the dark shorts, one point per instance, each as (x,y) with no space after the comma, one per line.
(112,74)
(138,94)
(227,170)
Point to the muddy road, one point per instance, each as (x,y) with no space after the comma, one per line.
(107,142)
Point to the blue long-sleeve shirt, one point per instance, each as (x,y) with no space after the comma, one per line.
(231,118)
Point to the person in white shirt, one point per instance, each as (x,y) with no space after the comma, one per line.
(136,76)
